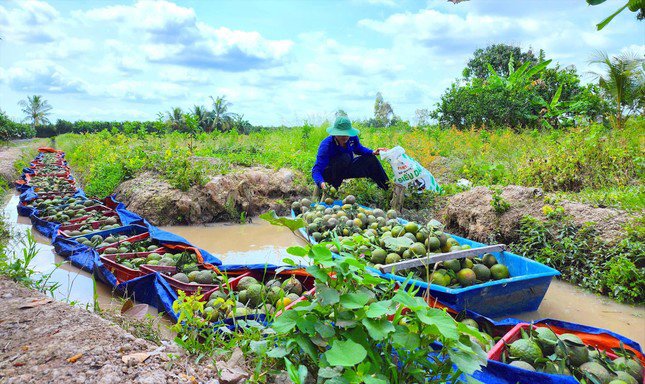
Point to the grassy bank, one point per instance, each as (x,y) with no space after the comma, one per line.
(592,163)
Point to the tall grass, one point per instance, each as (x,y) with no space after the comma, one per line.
(588,158)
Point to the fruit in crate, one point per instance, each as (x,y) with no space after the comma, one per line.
(390,241)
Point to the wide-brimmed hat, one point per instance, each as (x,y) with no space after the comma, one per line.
(342,127)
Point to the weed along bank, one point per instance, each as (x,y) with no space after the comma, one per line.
(363,296)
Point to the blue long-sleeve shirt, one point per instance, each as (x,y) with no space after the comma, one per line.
(329,149)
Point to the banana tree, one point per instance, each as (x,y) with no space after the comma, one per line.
(521,76)
(551,111)
(632,5)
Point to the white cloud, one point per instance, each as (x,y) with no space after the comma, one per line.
(39,12)
(447,32)
(638,50)
(170,34)
(184,76)
(31,21)
(142,91)
(101,113)
(221,48)
(42,76)
(151,16)
(139,58)
(64,48)
(387,3)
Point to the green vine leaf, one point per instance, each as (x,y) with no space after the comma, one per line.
(378,329)
(292,224)
(327,295)
(345,353)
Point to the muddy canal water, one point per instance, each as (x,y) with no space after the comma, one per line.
(260,243)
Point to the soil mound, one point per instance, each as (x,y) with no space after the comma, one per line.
(224,198)
(471,214)
(56,343)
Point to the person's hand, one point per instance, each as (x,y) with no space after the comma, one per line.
(323,185)
(379,150)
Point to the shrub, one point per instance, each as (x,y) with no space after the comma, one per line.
(504,87)
(582,258)
(10,130)
(624,280)
(355,329)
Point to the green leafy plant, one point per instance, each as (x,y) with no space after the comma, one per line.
(504,87)
(306,133)
(193,331)
(17,266)
(361,328)
(625,280)
(498,203)
(200,337)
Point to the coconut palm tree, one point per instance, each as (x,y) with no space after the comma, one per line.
(175,119)
(203,117)
(36,110)
(623,82)
(220,114)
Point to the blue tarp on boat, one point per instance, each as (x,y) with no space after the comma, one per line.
(151,289)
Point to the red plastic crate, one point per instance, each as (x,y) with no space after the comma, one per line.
(83,219)
(307,295)
(500,347)
(191,289)
(70,182)
(304,278)
(40,163)
(69,191)
(261,275)
(120,271)
(63,174)
(47,196)
(53,195)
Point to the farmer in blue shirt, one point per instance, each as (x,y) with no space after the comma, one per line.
(341,156)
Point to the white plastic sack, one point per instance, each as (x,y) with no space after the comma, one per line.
(408,171)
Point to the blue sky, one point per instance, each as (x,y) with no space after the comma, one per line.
(278,62)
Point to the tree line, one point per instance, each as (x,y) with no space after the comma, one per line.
(37,110)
